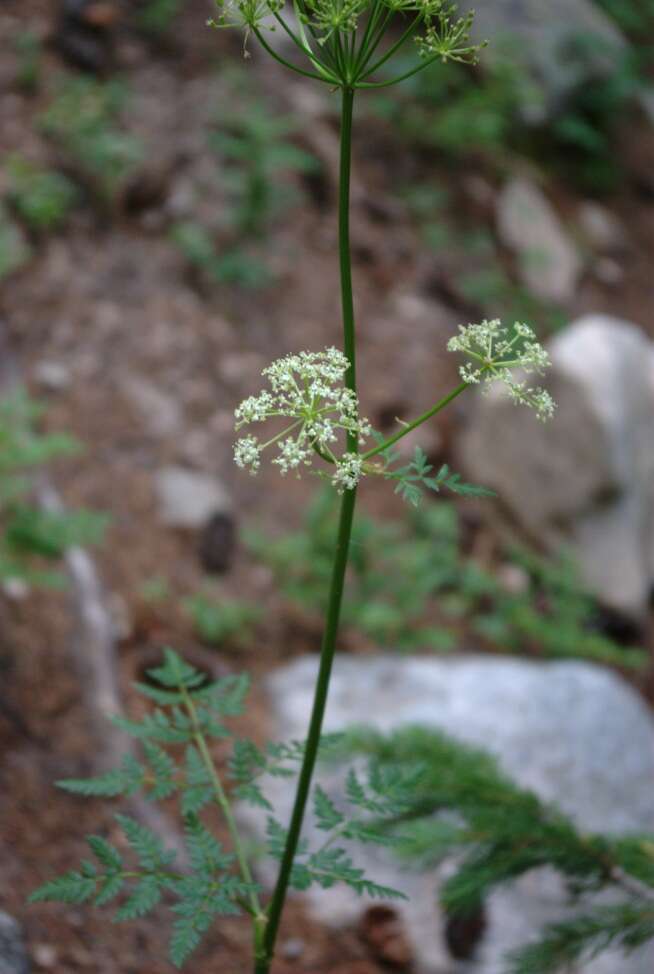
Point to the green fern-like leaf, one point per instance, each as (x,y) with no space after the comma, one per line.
(147,846)
(123,781)
(142,900)
(327,815)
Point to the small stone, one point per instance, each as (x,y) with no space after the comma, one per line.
(160,414)
(293,948)
(600,227)
(13,956)
(45,955)
(52,376)
(608,271)
(548,262)
(16,589)
(189,499)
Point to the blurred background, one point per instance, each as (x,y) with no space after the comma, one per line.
(167,228)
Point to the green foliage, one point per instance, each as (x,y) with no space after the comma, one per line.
(254,145)
(216,882)
(225,621)
(15,252)
(84,119)
(411,587)
(29,535)
(232,264)
(41,197)
(459,802)
(28,48)
(414,478)
(157,16)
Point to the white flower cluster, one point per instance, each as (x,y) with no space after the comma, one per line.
(308,389)
(494,350)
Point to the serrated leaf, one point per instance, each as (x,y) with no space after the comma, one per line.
(147,846)
(72,887)
(122,781)
(110,887)
(163,768)
(105,853)
(144,897)
(327,815)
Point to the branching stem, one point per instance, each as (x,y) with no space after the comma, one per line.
(265,939)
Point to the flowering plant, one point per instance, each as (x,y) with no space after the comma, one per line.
(313,397)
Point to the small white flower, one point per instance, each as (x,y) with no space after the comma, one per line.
(247,453)
(315,409)
(494,351)
(349,470)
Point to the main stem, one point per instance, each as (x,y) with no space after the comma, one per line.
(266,937)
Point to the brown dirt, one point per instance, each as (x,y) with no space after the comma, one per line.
(112,298)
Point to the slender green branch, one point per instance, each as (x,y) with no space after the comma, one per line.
(287,64)
(393,49)
(265,942)
(436,408)
(402,77)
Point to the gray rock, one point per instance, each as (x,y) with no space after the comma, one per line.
(541,39)
(548,262)
(188,499)
(573,732)
(52,376)
(584,480)
(160,414)
(601,228)
(13,956)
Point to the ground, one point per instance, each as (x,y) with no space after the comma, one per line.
(112,299)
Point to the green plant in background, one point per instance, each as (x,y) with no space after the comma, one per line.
(43,198)
(258,161)
(84,119)
(28,48)
(15,252)
(30,537)
(411,587)
(310,408)
(157,16)
(229,265)
(222,621)
(259,166)
(457,801)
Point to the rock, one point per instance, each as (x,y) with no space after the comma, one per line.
(584,480)
(188,499)
(160,413)
(573,732)
(548,262)
(544,41)
(52,376)
(601,228)
(13,956)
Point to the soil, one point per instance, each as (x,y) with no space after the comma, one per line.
(112,299)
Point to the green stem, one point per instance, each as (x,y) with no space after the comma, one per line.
(223,801)
(265,938)
(436,408)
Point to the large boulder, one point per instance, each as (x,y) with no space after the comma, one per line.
(573,732)
(585,480)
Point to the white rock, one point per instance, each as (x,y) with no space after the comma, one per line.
(573,732)
(187,499)
(51,375)
(583,480)
(548,262)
